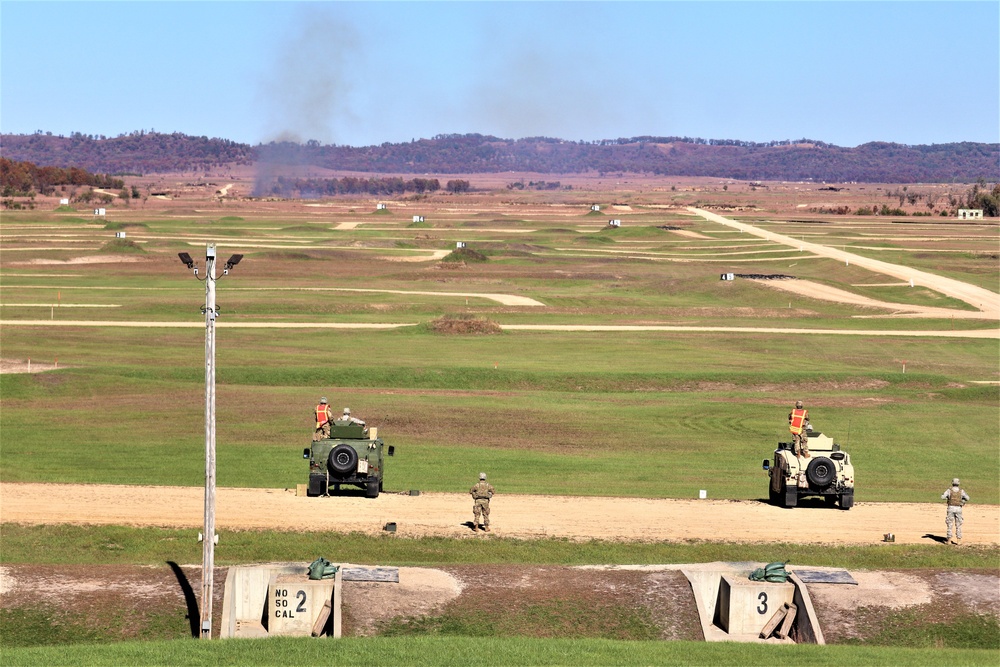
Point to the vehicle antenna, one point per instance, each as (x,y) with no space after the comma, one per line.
(848,443)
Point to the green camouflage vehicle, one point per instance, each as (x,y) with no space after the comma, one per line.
(827,473)
(352,455)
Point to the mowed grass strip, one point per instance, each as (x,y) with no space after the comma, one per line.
(418,651)
(536,429)
(573,443)
(110,545)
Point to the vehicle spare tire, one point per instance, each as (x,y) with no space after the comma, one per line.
(821,471)
(343,460)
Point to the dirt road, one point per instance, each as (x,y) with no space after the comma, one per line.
(986,301)
(445,514)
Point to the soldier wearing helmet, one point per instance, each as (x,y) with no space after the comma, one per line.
(324,415)
(347,419)
(798,424)
(481,494)
(956,497)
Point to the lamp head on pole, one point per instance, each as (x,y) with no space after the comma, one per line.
(230,263)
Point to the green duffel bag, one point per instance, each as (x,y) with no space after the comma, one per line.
(772,572)
(321,568)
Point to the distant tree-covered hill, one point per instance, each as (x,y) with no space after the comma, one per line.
(148,152)
(135,153)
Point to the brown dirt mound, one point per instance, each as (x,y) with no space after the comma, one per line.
(464,324)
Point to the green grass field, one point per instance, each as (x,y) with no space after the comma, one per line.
(482,651)
(122,545)
(548,412)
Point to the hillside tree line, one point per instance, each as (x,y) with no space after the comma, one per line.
(798,160)
(23,179)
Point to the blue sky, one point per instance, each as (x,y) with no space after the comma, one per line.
(370,72)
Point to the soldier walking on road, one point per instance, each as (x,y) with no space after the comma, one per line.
(481,494)
(798,424)
(324,415)
(956,497)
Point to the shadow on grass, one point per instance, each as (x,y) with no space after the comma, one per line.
(193,613)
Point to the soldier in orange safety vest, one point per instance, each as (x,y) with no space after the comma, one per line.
(324,415)
(798,424)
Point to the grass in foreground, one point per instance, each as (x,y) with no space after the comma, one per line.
(481,651)
(109,545)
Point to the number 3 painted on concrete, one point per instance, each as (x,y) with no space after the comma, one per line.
(762,609)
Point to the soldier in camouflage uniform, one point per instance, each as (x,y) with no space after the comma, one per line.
(346,417)
(956,497)
(481,494)
(798,424)
(324,415)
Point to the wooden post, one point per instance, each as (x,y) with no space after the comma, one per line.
(773,623)
(786,625)
(208,542)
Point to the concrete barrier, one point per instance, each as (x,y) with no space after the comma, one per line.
(731,607)
(273,600)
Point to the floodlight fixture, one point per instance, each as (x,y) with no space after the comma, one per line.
(233,261)
(186,259)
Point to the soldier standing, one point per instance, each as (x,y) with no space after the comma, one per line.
(324,415)
(798,423)
(481,494)
(956,497)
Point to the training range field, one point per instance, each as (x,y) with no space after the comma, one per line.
(624,366)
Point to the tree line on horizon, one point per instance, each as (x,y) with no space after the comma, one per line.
(881,162)
(306,188)
(22,179)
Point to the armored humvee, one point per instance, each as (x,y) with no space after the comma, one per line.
(827,473)
(352,455)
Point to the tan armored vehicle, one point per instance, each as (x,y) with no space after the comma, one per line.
(827,473)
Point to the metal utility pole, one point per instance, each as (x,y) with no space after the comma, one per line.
(209,537)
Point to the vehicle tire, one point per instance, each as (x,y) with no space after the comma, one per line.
(343,460)
(791,496)
(777,474)
(821,472)
(846,501)
(317,486)
(380,486)
(372,489)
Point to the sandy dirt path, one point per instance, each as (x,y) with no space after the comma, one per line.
(986,301)
(813,290)
(522,516)
(977,333)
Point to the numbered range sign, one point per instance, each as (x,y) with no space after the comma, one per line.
(744,606)
(294,605)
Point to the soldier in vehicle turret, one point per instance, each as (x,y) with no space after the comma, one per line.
(346,417)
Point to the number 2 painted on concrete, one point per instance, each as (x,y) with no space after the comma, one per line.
(302,604)
(762,609)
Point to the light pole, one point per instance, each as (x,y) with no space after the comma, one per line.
(208,537)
